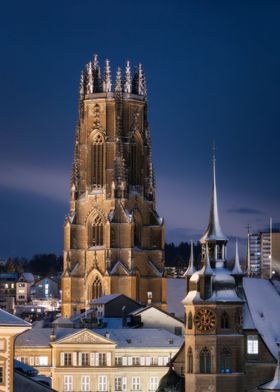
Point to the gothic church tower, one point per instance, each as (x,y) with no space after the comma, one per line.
(113,236)
(214,341)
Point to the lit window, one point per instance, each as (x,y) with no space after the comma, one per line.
(153,383)
(68,383)
(85,383)
(252,344)
(102,383)
(43,361)
(135,383)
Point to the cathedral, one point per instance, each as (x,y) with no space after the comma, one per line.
(113,236)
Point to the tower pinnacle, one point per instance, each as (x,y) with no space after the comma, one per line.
(214,231)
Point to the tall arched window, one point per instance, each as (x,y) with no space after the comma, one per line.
(97,162)
(224,321)
(226,361)
(137,228)
(205,360)
(190,320)
(190,360)
(97,232)
(135,163)
(96,288)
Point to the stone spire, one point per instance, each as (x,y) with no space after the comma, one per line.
(214,231)
(236,268)
(82,85)
(89,86)
(191,268)
(96,73)
(127,80)
(107,83)
(118,82)
(206,269)
(139,82)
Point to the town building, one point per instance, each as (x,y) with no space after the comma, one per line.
(114,305)
(264,258)
(10,327)
(113,236)
(232,325)
(23,288)
(99,360)
(45,289)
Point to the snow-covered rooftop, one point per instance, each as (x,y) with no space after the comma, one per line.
(7,319)
(105,299)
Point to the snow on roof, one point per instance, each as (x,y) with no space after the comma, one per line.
(7,319)
(28,276)
(105,299)
(141,338)
(248,322)
(264,304)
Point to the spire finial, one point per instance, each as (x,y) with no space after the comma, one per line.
(107,84)
(127,79)
(118,82)
(89,78)
(214,231)
(191,268)
(236,268)
(139,82)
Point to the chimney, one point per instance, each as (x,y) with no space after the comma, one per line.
(53,335)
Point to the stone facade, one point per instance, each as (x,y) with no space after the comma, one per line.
(113,237)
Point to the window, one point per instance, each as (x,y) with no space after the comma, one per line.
(226,361)
(68,383)
(67,359)
(96,288)
(85,383)
(1,375)
(153,383)
(154,361)
(97,232)
(118,361)
(224,321)
(178,331)
(102,359)
(190,320)
(190,360)
(135,384)
(85,359)
(135,361)
(118,384)
(102,383)
(252,344)
(42,361)
(97,162)
(205,361)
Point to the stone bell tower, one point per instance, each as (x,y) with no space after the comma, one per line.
(214,352)
(113,236)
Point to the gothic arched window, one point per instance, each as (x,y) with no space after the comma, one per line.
(205,360)
(224,321)
(97,162)
(190,360)
(97,232)
(137,229)
(135,163)
(226,361)
(96,288)
(190,320)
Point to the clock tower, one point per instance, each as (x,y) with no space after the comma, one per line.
(214,343)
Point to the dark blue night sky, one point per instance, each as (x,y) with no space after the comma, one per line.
(213,71)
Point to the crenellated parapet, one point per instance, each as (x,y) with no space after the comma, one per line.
(94,80)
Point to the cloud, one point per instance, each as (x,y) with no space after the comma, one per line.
(48,182)
(245,211)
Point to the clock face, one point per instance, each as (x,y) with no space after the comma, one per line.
(205,320)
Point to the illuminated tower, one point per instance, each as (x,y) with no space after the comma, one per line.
(113,236)
(214,341)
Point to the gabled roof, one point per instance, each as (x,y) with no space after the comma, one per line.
(84,336)
(105,299)
(120,215)
(264,304)
(8,319)
(120,267)
(142,310)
